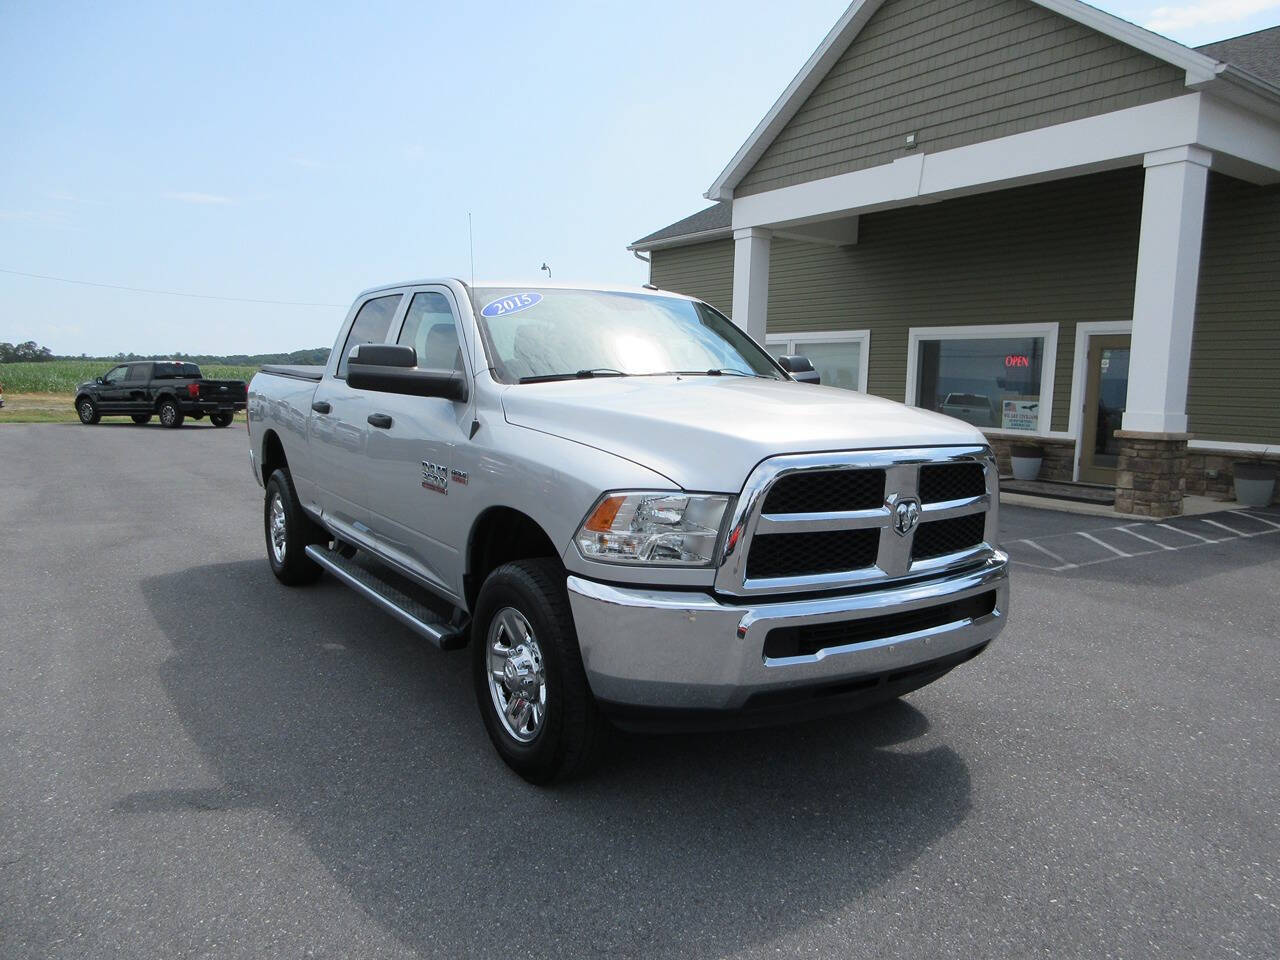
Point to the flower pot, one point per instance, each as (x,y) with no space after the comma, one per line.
(1255,482)
(1026,459)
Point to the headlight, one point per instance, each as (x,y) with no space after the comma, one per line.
(680,529)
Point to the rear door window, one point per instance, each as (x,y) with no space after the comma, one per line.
(371,326)
(139,372)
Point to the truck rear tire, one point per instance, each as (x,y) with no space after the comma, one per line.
(88,411)
(527,668)
(289,531)
(141,418)
(170,414)
(221,419)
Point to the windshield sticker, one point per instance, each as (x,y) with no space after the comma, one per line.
(511,304)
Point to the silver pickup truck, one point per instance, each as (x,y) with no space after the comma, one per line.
(630,512)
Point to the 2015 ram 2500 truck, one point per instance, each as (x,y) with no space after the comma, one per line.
(629,510)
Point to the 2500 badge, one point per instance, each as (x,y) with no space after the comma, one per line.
(435,477)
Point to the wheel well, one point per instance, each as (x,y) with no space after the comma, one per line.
(79,397)
(501,535)
(272,455)
(162,398)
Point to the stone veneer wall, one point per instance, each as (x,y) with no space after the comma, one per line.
(1201,462)
(1152,473)
(1059,457)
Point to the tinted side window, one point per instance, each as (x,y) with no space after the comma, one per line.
(116,375)
(430,329)
(139,371)
(371,326)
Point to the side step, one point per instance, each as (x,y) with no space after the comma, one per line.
(417,616)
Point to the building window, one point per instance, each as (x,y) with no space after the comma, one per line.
(840,357)
(998,378)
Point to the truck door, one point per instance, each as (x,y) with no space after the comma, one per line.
(419,451)
(338,424)
(111,393)
(136,389)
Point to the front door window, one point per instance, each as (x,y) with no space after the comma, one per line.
(1105,393)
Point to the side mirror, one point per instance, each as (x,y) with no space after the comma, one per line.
(98,380)
(393,368)
(800,368)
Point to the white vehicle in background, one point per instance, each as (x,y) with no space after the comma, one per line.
(628,511)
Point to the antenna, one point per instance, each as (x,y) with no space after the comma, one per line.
(471,241)
(546,268)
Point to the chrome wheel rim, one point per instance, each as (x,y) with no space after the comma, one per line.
(517,675)
(276,528)
(166,415)
(86,411)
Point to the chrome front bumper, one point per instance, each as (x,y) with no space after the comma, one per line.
(688,651)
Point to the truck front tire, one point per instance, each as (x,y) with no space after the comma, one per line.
(170,414)
(288,531)
(88,411)
(527,668)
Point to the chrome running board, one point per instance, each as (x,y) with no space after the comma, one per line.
(415,615)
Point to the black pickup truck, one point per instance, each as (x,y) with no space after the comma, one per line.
(170,389)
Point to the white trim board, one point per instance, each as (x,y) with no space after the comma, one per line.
(1075,419)
(1202,72)
(1001,331)
(831,336)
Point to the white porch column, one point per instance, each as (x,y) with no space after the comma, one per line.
(1164,302)
(751,280)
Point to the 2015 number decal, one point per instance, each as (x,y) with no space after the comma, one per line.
(511,304)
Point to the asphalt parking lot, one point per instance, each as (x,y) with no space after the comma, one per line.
(197,761)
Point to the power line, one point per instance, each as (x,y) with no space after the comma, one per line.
(169,293)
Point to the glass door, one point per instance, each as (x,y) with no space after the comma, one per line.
(1106,388)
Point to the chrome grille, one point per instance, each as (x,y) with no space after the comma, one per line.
(809,522)
(940,537)
(826,491)
(798,554)
(951,481)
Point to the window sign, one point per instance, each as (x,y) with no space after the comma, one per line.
(991,382)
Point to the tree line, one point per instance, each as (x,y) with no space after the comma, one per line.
(30,351)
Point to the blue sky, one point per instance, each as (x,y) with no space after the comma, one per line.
(303,152)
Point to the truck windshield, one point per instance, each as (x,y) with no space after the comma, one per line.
(545,333)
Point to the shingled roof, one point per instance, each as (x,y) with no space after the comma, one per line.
(711,220)
(1257,52)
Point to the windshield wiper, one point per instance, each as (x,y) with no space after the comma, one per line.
(717,372)
(580,375)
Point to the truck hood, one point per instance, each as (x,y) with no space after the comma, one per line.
(708,433)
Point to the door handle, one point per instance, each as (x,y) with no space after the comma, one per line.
(321,406)
(379,420)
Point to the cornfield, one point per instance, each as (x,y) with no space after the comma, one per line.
(63,376)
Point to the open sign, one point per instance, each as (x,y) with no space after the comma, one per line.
(1017,360)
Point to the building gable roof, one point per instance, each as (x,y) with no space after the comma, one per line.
(705,224)
(1200,68)
(1257,52)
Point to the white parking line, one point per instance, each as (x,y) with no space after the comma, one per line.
(1162,546)
(1116,550)
(1223,526)
(1114,553)
(1258,517)
(1170,526)
(1063,564)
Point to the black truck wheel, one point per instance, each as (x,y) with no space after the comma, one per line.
(527,669)
(141,418)
(88,411)
(289,530)
(170,413)
(221,419)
